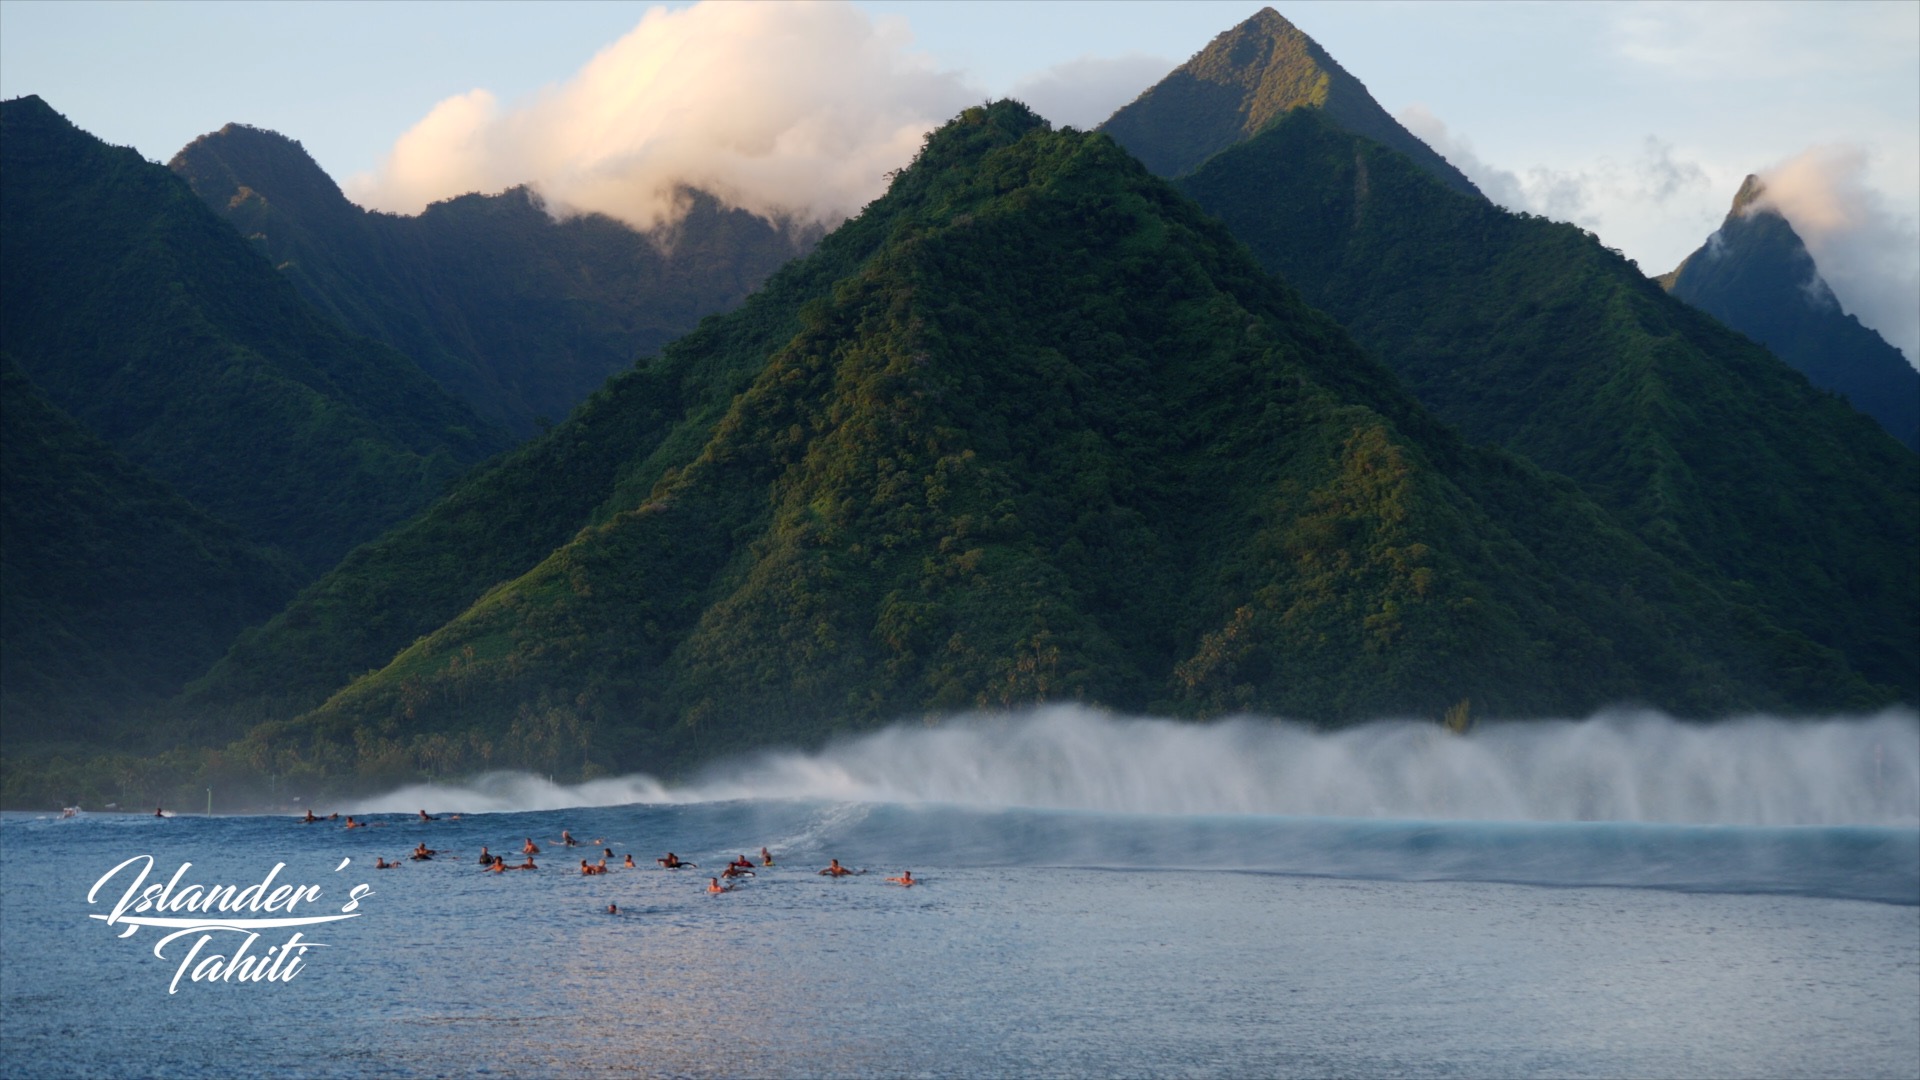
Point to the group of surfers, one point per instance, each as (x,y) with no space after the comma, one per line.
(497,864)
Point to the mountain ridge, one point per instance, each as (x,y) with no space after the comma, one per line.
(1755,274)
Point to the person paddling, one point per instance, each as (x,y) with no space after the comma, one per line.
(836,870)
(905,878)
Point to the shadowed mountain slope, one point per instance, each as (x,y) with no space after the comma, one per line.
(1241,82)
(117,590)
(1531,335)
(517,314)
(148,320)
(1755,275)
(1030,428)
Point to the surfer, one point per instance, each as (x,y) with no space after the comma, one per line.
(499,865)
(567,840)
(742,862)
(735,870)
(675,862)
(528,865)
(766,859)
(423,853)
(905,878)
(613,909)
(485,858)
(352,824)
(424,816)
(630,865)
(310,818)
(714,886)
(836,870)
(530,847)
(157,812)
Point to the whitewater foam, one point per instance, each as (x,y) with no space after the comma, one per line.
(1620,765)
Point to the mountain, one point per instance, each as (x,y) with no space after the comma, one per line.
(1756,276)
(148,320)
(1531,335)
(1032,427)
(1242,81)
(516,314)
(117,590)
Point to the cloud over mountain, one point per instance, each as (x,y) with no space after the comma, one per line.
(1864,249)
(791,111)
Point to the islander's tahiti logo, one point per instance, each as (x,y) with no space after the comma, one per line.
(197,904)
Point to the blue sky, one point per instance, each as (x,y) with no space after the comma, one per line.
(1636,120)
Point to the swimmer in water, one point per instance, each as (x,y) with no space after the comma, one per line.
(905,878)
(499,865)
(675,862)
(766,859)
(714,886)
(424,816)
(613,909)
(733,871)
(630,861)
(379,863)
(528,865)
(606,853)
(584,868)
(423,853)
(567,840)
(485,858)
(836,870)
(157,812)
(742,862)
(310,819)
(530,847)
(352,824)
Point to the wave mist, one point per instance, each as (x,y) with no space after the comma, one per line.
(1627,766)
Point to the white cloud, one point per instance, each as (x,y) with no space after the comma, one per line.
(1868,253)
(792,111)
(1084,91)
(1589,195)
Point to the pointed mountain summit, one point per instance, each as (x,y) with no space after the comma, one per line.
(1259,70)
(1030,428)
(517,314)
(1755,275)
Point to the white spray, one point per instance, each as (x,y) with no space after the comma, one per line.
(1616,766)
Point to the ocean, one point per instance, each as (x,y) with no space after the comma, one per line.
(1095,897)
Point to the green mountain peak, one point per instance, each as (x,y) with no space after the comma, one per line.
(1241,82)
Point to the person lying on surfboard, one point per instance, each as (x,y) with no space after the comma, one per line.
(836,870)
(567,840)
(734,870)
(905,878)
(675,862)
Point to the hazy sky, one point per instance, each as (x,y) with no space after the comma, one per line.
(1636,120)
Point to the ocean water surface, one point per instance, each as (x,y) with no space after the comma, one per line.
(1108,897)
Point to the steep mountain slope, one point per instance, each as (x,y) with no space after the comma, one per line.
(117,591)
(1755,275)
(518,315)
(1244,79)
(1531,335)
(1030,428)
(147,319)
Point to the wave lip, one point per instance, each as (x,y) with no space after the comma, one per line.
(1618,766)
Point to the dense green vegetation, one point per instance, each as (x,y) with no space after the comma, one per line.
(147,319)
(1031,428)
(1533,336)
(1245,78)
(516,314)
(117,590)
(1756,276)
